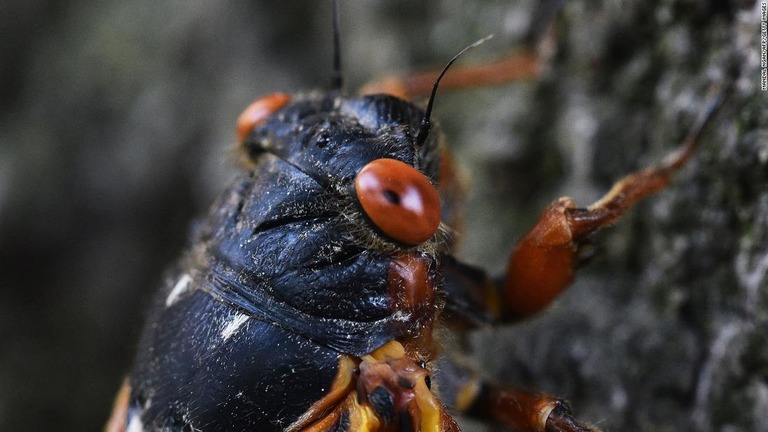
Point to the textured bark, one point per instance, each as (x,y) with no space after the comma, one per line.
(116,119)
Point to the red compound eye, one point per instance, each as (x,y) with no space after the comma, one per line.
(258,112)
(399,200)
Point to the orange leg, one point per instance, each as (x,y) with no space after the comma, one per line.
(519,410)
(525,63)
(119,417)
(521,65)
(524,411)
(544,261)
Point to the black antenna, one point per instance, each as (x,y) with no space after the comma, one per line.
(336,78)
(421,136)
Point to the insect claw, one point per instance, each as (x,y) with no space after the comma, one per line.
(675,160)
(586,251)
(560,420)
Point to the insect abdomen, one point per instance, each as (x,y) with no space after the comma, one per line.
(204,364)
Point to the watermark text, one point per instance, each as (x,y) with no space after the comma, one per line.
(764,46)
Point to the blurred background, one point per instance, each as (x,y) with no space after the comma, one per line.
(116,125)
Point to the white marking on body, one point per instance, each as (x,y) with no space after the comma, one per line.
(401,316)
(181,285)
(135,424)
(233,325)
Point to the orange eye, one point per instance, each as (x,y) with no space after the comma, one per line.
(399,200)
(258,112)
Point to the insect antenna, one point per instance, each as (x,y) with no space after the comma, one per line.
(336,79)
(421,136)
